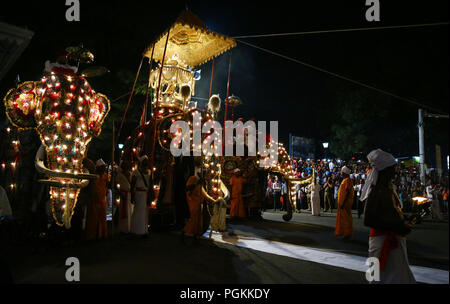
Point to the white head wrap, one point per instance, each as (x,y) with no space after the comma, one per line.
(100,162)
(379,160)
(346,170)
(142,158)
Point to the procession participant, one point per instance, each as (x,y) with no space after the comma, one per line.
(141,188)
(276,192)
(96,211)
(388,226)
(195,196)
(315,197)
(445,199)
(302,199)
(344,220)
(123,180)
(218,218)
(78,223)
(237,203)
(284,195)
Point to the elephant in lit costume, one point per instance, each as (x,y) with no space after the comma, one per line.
(66,113)
(154,139)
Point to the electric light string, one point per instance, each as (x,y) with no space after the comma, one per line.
(343,77)
(343,30)
(13,162)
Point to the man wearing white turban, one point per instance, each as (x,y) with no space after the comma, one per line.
(384,216)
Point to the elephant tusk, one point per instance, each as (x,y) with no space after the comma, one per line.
(40,167)
(58,184)
(225,191)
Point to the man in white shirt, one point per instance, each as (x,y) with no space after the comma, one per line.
(276,186)
(429,190)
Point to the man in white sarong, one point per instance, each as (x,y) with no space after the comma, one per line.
(140,189)
(383,215)
(315,197)
(123,180)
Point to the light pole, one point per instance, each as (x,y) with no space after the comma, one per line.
(423,114)
(421,148)
(325,146)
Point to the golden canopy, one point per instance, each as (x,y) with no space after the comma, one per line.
(190,41)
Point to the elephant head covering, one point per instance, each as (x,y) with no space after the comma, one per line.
(379,160)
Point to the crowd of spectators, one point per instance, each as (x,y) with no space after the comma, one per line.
(407,182)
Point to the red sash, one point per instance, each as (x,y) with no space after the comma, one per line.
(390,243)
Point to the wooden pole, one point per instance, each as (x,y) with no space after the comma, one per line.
(144,114)
(129,99)
(113,201)
(160,73)
(212,76)
(155,112)
(228,89)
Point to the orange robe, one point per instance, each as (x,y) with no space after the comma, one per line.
(96,213)
(195,200)
(237,203)
(344,220)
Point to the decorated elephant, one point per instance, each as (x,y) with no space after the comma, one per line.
(66,113)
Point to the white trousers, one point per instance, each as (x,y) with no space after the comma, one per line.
(397,269)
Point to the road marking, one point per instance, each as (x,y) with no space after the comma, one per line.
(327,257)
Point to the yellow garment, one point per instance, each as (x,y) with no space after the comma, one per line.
(195,200)
(96,213)
(237,204)
(344,220)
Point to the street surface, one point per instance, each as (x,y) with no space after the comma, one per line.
(270,250)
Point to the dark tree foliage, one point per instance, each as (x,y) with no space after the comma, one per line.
(354,116)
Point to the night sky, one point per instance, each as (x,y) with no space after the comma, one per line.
(412,63)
